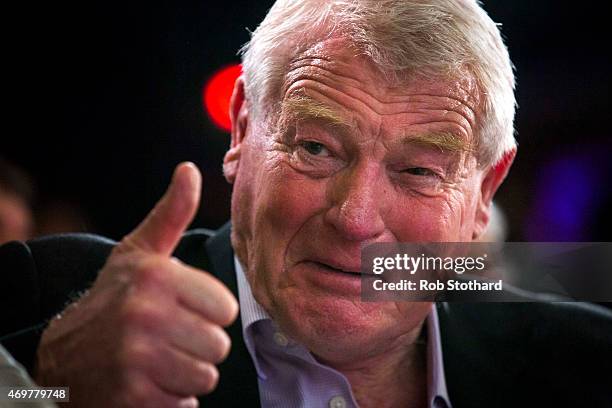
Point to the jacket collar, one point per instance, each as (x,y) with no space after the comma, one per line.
(238,378)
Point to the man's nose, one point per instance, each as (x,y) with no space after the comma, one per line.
(357,197)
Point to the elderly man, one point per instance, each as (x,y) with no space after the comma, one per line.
(355,122)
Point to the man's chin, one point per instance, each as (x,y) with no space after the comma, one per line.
(331,327)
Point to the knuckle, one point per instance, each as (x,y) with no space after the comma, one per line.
(151,271)
(140,313)
(136,355)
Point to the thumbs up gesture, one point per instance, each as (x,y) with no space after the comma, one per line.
(150,330)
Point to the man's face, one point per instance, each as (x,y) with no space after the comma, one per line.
(353,162)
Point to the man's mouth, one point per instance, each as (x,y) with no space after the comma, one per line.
(339,269)
(333,277)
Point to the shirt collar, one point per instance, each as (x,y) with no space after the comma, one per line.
(436,380)
(252,312)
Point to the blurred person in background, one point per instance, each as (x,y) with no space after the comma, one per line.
(60,215)
(497,229)
(16,195)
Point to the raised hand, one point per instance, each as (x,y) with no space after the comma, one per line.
(150,330)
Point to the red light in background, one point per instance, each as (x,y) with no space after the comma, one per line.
(217,94)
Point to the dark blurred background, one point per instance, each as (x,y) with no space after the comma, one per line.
(105,98)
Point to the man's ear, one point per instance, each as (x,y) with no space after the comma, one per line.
(239,115)
(492,180)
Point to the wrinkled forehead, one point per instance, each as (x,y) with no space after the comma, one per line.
(332,82)
(339,57)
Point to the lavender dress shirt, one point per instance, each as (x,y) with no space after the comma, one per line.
(289,375)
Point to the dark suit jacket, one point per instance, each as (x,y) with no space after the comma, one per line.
(495,355)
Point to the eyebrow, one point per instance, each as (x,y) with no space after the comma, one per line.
(443,141)
(300,107)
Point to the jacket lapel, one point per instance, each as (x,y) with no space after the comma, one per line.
(238,379)
(212,252)
(483,352)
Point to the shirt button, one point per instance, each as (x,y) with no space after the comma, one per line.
(337,402)
(280,339)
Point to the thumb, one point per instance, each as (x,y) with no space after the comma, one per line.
(161,230)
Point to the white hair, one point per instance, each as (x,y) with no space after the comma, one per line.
(401,37)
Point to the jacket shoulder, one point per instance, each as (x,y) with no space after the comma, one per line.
(524,353)
(57,268)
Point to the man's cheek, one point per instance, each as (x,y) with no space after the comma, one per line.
(293,198)
(418,220)
(460,212)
